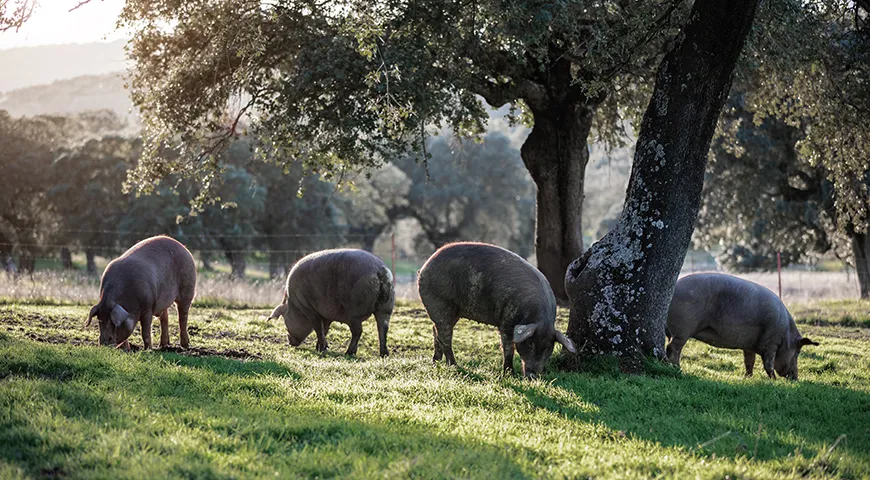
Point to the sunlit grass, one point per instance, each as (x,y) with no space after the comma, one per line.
(261,408)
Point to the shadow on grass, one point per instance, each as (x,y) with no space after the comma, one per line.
(226,366)
(758,418)
(67,411)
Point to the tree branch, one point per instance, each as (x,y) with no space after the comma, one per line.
(81,4)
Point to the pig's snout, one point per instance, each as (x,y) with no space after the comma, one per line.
(531,372)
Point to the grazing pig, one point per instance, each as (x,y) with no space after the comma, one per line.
(491,285)
(345,286)
(141,284)
(729,312)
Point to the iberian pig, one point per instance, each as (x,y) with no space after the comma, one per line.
(494,286)
(142,284)
(345,286)
(729,312)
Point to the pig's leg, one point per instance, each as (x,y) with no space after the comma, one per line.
(444,316)
(507,347)
(146,318)
(675,350)
(438,353)
(183,310)
(321,327)
(164,328)
(355,334)
(767,358)
(445,339)
(749,361)
(383,321)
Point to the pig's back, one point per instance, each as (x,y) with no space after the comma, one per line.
(338,284)
(484,282)
(723,306)
(164,256)
(157,267)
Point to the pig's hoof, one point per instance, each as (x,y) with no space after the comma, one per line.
(385,353)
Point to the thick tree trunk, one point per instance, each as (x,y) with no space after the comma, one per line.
(861,255)
(66,258)
(368,241)
(206,259)
(556,153)
(91,263)
(27,263)
(620,289)
(277,261)
(237,263)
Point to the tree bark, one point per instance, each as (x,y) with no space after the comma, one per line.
(620,289)
(27,263)
(66,258)
(237,263)
(861,255)
(277,262)
(91,263)
(556,153)
(206,258)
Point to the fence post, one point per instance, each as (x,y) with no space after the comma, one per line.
(393,255)
(779,272)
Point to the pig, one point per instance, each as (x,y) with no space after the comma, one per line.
(488,284)
(141,284)
(729,312)
(345,286)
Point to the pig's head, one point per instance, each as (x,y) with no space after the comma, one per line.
(534,343)
(786,361)
(116,323)
(297,331)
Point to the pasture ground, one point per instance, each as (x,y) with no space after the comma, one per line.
(243,404)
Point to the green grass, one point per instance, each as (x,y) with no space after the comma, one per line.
(243,404)
(845,313)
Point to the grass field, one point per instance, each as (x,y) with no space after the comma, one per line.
(243,404)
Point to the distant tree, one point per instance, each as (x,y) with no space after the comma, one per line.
(470,191)
(299,216)
(353,84)
(465,191)
(374,204)
(86,194)
(819,85)
(232,220)
(25,159)
(765,196)
(28,150)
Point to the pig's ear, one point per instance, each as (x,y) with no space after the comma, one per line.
(566,342)
(524,332)
(119,315)
(806,341)
(279,310)
(94,311)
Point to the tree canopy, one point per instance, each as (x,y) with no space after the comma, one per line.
(355,84)
(810,68)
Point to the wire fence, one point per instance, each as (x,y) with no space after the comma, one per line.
(253,275)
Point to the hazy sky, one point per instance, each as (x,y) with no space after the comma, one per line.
(52,22)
